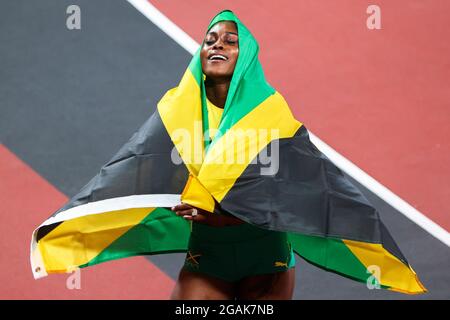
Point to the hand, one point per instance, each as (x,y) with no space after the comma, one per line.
(188,212)
(205,217)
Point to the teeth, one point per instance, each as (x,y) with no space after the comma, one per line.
(218,56)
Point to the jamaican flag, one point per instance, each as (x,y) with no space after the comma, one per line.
(260,167)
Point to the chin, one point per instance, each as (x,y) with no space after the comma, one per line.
(218,74)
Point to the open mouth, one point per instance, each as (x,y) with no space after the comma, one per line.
(217,57)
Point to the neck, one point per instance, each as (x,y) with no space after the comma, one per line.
(217,90)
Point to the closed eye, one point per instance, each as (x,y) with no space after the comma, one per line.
(230,40)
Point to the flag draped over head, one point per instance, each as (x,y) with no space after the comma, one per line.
(260,167)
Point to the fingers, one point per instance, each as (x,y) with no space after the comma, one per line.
(182,206)
(186,211)
(191,213)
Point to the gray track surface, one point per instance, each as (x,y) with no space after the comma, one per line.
(70,99)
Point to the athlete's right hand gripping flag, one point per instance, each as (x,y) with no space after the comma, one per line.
(124,210)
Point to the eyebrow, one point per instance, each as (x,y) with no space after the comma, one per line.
(230,32)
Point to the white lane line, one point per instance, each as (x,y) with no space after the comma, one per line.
(162,22)
(190,45)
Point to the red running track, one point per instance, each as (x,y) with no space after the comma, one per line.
(131,278)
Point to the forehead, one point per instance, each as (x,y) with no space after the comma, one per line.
(223,26)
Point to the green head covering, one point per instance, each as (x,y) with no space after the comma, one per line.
(248,87)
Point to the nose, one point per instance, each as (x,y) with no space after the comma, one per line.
(218,44)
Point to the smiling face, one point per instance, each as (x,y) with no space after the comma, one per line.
(220,51)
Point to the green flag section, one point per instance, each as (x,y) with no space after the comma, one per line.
(149,236)
(260,167)
(364,262)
